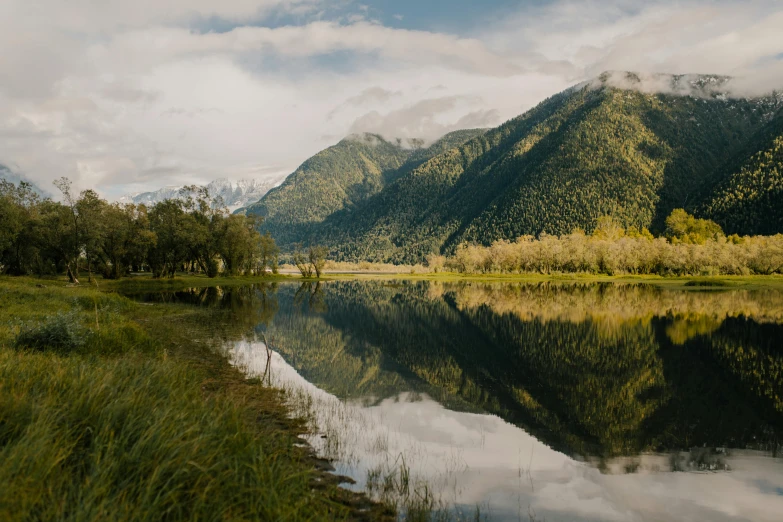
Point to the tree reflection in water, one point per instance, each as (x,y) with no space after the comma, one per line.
(593,370)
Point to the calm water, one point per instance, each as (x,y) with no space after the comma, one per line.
(531,402)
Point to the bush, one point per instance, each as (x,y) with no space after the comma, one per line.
(62,332)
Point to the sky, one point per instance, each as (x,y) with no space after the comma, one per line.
(123,96)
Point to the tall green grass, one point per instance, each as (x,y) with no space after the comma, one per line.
(135,439)
(141,419)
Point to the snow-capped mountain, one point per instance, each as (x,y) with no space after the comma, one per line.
(235,194)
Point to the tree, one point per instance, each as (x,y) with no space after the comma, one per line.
(203,226)
(268,253)
(67,220)
(317,256)
(682,227)
(237,243)
(126,240)
(171,248)
(302,262)
(609,228)
(18,227)
(91,211)
(193,231)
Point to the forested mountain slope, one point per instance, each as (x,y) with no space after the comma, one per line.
(590,151)
(339,177)
(750,200)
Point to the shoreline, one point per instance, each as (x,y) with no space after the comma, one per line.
(173,349)
(692,283)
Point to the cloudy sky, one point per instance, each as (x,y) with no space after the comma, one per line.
(123,96)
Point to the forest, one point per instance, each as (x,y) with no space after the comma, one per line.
(195,234)
(84,233)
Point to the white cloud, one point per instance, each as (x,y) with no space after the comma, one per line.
(89,16)
(122,95)
(581,40)
(427,119)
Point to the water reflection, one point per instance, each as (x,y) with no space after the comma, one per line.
(550,401)
(468,459)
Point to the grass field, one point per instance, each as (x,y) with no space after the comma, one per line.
(146,283)
(115,410)
(673,282)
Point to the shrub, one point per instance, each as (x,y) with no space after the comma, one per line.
(62,331)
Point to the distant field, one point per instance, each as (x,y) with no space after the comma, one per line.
(382,271)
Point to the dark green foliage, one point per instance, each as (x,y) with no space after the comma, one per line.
(337,177)
(750,201)
(86,233)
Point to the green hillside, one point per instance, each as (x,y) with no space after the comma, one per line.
(593,150)
(750,200)
(590,151)
(341,177)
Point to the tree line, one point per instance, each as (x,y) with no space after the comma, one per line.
(84,233)
(689,246)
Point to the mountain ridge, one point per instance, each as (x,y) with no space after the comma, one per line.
(341,178)
(580,154)
(626,145)
(597,148)
(235,194)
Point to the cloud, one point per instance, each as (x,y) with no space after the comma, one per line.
(88,16)
(167,92)
(123,93)
(147,48)
(371,95)
(427,119)
(581,40)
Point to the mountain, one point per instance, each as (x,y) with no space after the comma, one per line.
(750,199)
(8,175)
(235,194)
(341,178)
(593,150)
(627,145)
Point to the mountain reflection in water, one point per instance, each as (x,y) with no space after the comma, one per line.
(547,401)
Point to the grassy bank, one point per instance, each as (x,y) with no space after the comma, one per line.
(678,282)
(145,283)
(114,410)
(672,282)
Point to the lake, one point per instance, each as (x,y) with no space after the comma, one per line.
(518,401)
